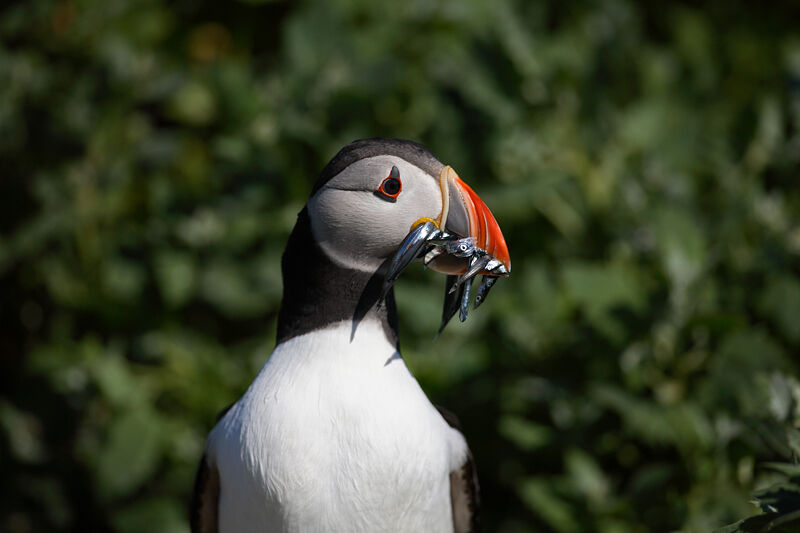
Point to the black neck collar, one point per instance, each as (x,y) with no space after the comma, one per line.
(317,292)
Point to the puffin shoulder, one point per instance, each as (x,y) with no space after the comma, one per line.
(204,506)
(464,489)
(205,498)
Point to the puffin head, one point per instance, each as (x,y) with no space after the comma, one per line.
(374,192)
(378,206)
(389,199)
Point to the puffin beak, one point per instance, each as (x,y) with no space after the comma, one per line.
(464,214)
(463,242)
(409,250)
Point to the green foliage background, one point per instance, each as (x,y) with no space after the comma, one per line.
(638,371)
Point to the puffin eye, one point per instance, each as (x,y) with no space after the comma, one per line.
(390,187)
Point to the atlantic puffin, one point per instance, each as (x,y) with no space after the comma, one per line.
(335,434)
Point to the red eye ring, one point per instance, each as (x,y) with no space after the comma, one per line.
(391,187)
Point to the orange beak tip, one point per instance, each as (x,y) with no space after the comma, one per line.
(484,227)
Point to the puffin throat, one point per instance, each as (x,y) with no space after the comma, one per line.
(318,292)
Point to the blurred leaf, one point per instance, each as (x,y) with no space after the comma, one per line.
(226,286)
(743,356)
(782,498)
(587,476)
(175,274)
(116,382)
(23,434)
(131,452)
(154,515)
(793,435)
(683,425)
(600,289)
(538,496)
(524,434)
(681,246)
(788,469)
(781,302)
(194,104)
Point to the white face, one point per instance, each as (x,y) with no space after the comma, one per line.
(359,229)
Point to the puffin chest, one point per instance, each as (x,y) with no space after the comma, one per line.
(345,430)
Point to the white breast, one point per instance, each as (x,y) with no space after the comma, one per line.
(335,435)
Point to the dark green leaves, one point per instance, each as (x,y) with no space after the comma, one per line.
(638,370)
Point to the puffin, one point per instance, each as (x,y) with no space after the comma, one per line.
(335,434)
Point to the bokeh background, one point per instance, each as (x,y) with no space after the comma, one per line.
(638,371)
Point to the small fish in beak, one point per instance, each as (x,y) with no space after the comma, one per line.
(463,242)
(483,289)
